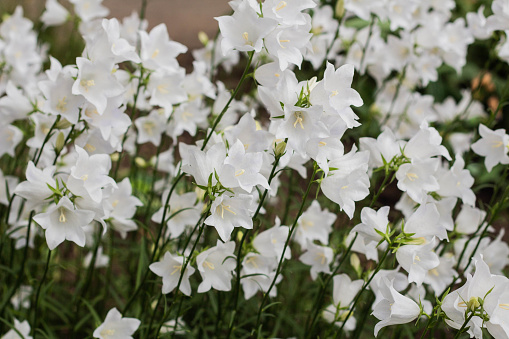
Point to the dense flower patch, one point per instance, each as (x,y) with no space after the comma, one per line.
(324,169)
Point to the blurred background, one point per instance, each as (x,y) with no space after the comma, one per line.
(184,18)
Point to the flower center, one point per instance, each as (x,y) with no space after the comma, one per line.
(227,208)
(176,268)
(62,217)
(62,105)
(209,265)
(298,120)
(86,84)
(281,5)
(412,176)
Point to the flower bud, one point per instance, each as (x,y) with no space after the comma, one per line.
(60,143)
(140,162)
(204,39)
(355,262)
(115,156)
(280,149)
(473,303)
(340,9)
(63,124)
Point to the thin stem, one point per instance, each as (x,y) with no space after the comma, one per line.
(225,108)
(236,292)
(290,233)
(460,331)
(357,298)
(36,303)
(22,268)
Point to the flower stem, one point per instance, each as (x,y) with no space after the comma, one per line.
(36,303)
(236,291)
(280,264)
(357,298)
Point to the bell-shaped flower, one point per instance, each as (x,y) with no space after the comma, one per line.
(300,125)
(158,51)
(288,43)
(248,131)
(418,260)
(482,286)
(59,98)
(93,171)
(441,276)
(244,30)
(54,14)
(425,144)
(314,224)
(10,137)
(288,13)
(349,182)
(270,243)
(424,222)
(166,88)
(318,257)
(227,212)
(122,207)
(373,220)
(170,269)
(19,330)
(64,222)
(15,105)
(418,178)
(96,82)
(469,219)
(187,117)
(258,272)
(242,169)
(183,210)
(457,182)
(394,308)
(35,189)
(151,128)
(107,43)
(116,327)
(493,145)
(201,165)
(216,265)
(335,93)
(323,149)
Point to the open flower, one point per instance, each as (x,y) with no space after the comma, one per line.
(64,222)
(116,327)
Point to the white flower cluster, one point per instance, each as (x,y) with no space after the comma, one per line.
(67,129)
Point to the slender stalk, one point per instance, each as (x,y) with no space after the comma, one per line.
(239,251)
(36,303)
(339,334)
(280,264)
(46,139)
(22,268)
(460,331)
(225,108)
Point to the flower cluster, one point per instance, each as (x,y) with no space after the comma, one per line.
(352,143)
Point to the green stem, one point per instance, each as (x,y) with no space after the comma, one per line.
(357,298)
(36,303)
(460,331)
(236,292)
(225,108)
(290,233)
(22,268)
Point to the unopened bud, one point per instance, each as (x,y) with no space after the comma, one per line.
(355,262)
(204,39)
(473,303)
(63,124)
(60,143)
(240,234)
(280,149)
(416,241)
(140,162)
(200,194)
(115,156)
(340,9)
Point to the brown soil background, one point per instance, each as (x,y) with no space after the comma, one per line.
(184,18)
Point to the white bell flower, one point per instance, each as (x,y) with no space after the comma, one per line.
(116,327)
